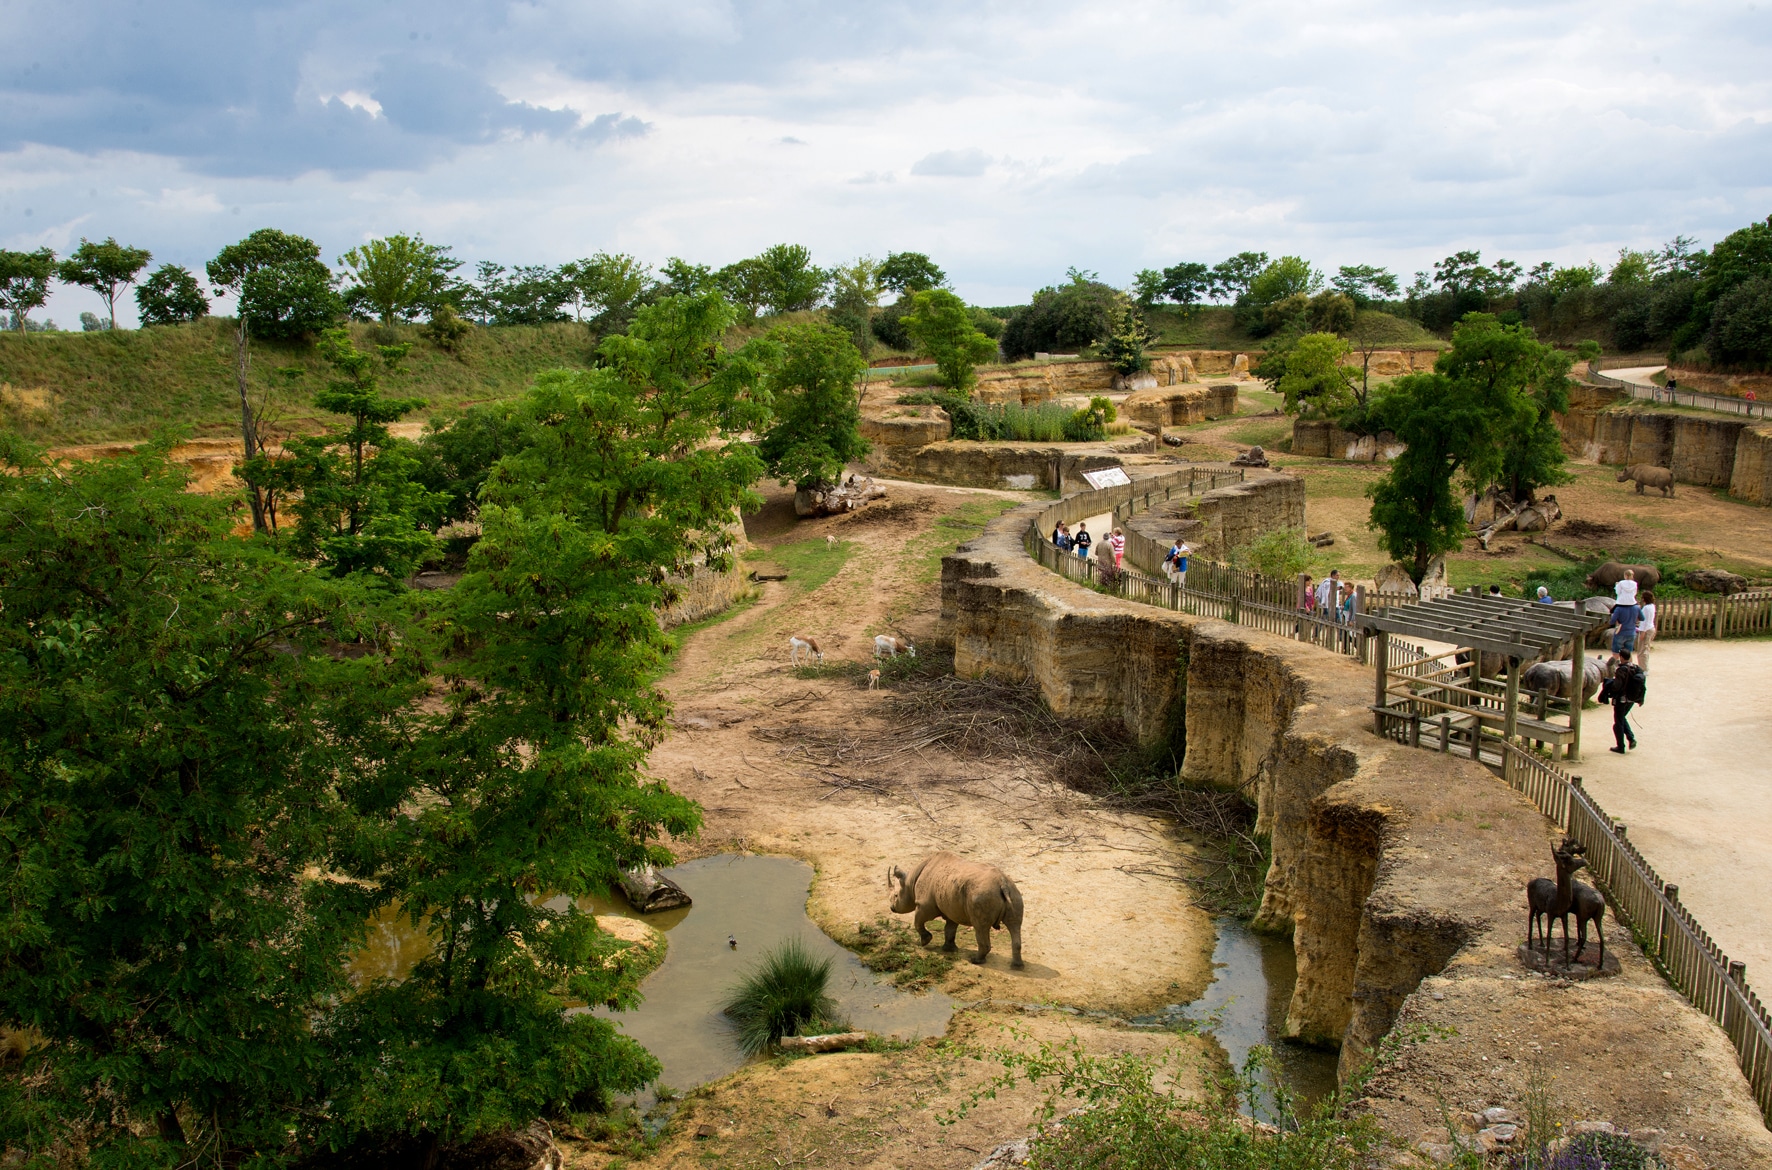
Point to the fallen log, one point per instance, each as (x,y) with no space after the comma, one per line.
(835,499)
(829,1043)
(650,891)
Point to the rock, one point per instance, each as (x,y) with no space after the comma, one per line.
(1577,969)
(1593,1127)
(1715,581)
(1496,1115)
(650,891)
(828,1043)
(1015,1153)
(705,1131)
(1253,457)
(836,499)
(1682,1157)
(1240,367)
(1496,1138)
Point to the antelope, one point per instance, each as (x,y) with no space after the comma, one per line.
(874,679)
(1587,904)
(889,646)
(1550,899)
(830,542)
(797,644)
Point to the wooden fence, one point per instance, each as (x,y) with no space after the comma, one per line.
(1668,933)
(1714,617)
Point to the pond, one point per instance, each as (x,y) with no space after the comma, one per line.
(761,902)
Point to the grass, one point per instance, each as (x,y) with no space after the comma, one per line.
(122,385)
(890,947)
(784,995)
(949,532)
(808,563)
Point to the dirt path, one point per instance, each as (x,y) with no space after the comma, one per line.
(1697,793)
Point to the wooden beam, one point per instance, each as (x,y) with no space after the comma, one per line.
(1577,680)
(1511,709)
(1381,653)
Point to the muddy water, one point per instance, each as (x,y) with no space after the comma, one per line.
(760,901)
(1251,987)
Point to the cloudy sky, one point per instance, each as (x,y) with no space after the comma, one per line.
(1008,140)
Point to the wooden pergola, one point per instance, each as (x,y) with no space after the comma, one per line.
(1456,696)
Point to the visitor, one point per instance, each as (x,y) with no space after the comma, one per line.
(1624,626)
(1309,604)
(1544,597)
(1061,536)
(1117,546)
(1083,540)
(1181,554)
(1625,689)
(1645,629)
(1329,594)
(1495,591)
(1625,592)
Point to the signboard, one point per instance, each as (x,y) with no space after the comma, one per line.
(1107,477)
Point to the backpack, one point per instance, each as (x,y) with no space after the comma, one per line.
(1633,684)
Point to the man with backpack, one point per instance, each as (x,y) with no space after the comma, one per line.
(1627,688)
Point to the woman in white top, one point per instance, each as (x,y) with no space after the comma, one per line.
(1645,628)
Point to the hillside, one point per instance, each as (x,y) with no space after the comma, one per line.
(62,389)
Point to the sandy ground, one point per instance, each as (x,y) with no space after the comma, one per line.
(1108,927)
(1697,794)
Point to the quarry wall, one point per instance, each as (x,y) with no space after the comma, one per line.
(1391,866)
(1017,466)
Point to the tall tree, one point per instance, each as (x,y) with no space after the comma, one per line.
(105,268)
(181,755)
(910,272)
(259,258)
(359,507)
(1363,283)
(1314,381)
(794,282)
(855,294)
(529,774)
(169,296)
(397,278)
(1231,278)
(942,326)
(1129,334)
(24,282)
(817,427)
(608,286)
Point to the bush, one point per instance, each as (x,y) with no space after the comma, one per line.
(784,994)
(1280,552)
(1062,319)
(888,325)
(446,327)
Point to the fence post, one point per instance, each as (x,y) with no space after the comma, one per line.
(1722,602)
(1667,915)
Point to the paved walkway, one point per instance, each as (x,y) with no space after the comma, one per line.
(1636,375)
(1697,795)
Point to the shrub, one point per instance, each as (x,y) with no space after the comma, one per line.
(446,327)
(1279,552)
(782,995)
(1061,319)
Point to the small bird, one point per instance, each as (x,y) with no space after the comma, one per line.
(732,941)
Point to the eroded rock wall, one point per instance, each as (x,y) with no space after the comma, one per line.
(1751,477)
(1020,466)
(1400,871)
(1702,450)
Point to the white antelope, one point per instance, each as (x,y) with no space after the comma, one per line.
(830,542)
(888,646)
(874,679)
(797,645)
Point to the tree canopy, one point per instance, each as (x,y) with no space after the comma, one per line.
(397,278)
(24,283)
(942,326)
(105,268)
(169,296)
(817,409)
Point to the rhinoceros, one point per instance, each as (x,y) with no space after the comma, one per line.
(964,893)
(1648,475)
(1612,572)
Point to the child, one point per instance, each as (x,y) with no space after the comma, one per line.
(1083,540)
(1117,544)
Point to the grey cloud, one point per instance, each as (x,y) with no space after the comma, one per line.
(953,164)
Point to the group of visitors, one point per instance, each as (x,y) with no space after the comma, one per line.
(1633,629)
(1081,543)
(1332,598)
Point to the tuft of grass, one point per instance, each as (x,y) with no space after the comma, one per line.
(808,563)
(784,995)
(890,947)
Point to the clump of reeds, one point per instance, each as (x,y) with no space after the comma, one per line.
(784,995)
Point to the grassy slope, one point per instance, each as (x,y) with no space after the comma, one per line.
(1216,328)
(67,388)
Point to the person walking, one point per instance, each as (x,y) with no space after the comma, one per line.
(1645,628)
(1117,546)
(1182,552)
(1626,688)
(1329,594)
(1083,539)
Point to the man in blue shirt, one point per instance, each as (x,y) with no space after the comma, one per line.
(1624,621)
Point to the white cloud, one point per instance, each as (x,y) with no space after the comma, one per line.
(1112,136)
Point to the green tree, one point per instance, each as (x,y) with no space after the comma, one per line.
(855,294)
(1484,413)
(1128,335)
(683,279)
(1278,293)
(1632,267)
(1062,318)
(105,268)
(793,281)
(358,507)
(1186,283)
(817,427)
(606,286)
(169,296)
(748,284)
(397,278)
(528,777)
(181,755)
(261,269)
(1363,284)
(1314,381)
(529,294)
(24,283)
(942,327)
(1231,278)
(910,272)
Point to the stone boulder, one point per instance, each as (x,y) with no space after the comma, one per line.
(1253,457)
(907,426)
(1715,581)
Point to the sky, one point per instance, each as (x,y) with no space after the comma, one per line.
(1010,141)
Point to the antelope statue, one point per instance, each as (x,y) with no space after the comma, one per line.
(1551,900)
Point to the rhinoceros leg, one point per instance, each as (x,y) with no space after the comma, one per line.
(953,928)
(984,944)
(1015,945)
(924,914)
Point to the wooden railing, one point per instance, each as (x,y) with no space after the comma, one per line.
(1668,933)
(1714,617)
